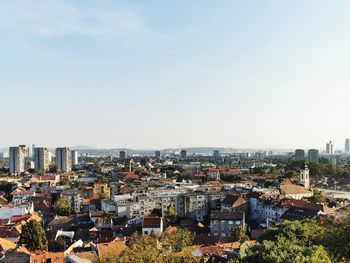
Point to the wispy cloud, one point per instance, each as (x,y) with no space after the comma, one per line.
(62,17)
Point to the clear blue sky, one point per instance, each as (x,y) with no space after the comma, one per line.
(154,74)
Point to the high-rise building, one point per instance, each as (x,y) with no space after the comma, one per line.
(329,148)
(305,177)
(347,145)
(157,153)
(41,158)
(216,154)
(183,154)
(122,155)
(299,155)
(63,159)
(75,157)
(17,159)
(313,155)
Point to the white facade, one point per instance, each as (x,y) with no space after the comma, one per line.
(305,177)
(17,159)
(75,155)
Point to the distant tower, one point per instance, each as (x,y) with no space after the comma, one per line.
(17,157)
(299,155)
(41,158)
(131,165)
(183,154)
(157,154)
(216,154)
(313,155)
(329,148)
(123,155)
(305,177)
(347,145)
(63,159)
(75,156)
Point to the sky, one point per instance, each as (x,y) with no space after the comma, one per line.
(157,74)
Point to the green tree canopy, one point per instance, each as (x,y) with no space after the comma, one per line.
(33,236)
(63,207)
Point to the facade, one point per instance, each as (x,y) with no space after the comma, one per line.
(224,223)
(216,154)
(17,159)
(152,225)
(41,158)
(305,177)
(299,155)
(183,154)
(74,199)
(313,155)
(157,154)
(347,145)
(75,155)
(123,155)
(63,160)
(329,148)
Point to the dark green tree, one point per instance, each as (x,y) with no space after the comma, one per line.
(33,236)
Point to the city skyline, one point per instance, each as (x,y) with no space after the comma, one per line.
(151,75)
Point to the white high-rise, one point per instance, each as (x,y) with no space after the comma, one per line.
(329,148)
(347,145)
(75,155)
(17,159)
(41,158)
(63,159)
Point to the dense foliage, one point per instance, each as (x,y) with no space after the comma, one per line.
(33,236)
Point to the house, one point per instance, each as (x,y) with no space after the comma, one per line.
(223,223)
(152,225)
(116,247)
(108,205)
(301,213)
(294,191)
(102,190)
(234,203)
(20,196)
(74,198)
(44,256)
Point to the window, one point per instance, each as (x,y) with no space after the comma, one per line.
(230,222)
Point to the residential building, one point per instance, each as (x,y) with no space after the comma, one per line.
(74,199)
(329,148)
(152,225)
(17,159)
(157,154)
(347,145)
(183,154)
(234,203)
(313,155)
(123,155)
(41,158)
(75,157)
(223,223)
(299,155)
(216,154)
(102,190)
(63,159)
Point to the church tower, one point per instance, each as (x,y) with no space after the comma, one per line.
(305,177)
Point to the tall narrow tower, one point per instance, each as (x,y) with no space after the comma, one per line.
(305,177)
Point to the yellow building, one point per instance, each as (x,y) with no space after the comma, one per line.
(102,190)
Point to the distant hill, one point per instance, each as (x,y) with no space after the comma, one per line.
(81,147)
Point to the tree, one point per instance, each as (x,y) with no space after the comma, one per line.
(63,207)
(285,250)
(33,236)
(306,232)
(170,215)
(239,235)
(337,239)
(179,239)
